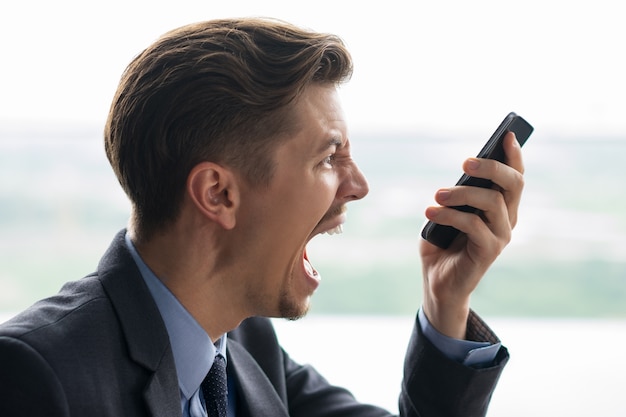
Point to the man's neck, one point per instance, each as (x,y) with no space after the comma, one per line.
(189,267)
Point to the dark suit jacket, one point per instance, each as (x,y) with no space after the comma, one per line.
(100,348)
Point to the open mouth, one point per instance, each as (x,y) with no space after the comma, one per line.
(307,264)
(334,226)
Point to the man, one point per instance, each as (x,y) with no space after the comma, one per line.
(229,139)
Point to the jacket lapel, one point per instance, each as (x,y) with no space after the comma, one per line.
(257,396)
(158,394)
(144,330)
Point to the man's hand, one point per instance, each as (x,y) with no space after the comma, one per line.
(451,275)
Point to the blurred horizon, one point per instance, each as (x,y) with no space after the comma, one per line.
(61,205)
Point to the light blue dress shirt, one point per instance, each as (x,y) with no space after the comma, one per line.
(193,351)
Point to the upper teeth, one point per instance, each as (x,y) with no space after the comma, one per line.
(335,230)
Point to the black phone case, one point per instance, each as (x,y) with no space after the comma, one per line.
(443,236)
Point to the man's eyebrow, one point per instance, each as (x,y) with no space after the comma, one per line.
(334,141)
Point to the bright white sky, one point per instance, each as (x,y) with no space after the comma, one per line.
(441,66)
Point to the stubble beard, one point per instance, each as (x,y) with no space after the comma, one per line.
(290,309)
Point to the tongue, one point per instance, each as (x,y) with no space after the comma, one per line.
(309,268)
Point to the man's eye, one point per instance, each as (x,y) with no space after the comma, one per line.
(329,159)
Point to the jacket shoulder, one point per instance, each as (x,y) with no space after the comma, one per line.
(47,313)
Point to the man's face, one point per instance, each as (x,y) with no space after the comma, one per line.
(314,178)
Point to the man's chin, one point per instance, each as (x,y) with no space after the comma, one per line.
(294,318)
(293,311)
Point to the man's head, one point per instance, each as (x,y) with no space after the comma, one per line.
(219,91)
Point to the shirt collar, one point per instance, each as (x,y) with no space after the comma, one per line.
(191,346)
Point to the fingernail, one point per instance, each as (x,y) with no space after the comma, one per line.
(443,195)
(431,212)
(473,163)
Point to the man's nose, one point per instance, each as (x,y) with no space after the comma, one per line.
(354,186)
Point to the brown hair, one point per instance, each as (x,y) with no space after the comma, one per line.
(212,91)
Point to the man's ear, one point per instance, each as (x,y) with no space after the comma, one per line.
(214,190)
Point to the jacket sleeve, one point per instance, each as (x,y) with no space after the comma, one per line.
(435,385)
(28,384)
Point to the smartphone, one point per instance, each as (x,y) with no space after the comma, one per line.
(443,236)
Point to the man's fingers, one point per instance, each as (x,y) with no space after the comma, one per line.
(494,217)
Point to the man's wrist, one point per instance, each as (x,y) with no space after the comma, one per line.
(479,351)
(449,320)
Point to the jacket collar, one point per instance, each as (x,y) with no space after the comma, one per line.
(256,393)
(142,325)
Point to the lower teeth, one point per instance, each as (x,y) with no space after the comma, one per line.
(336,230)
